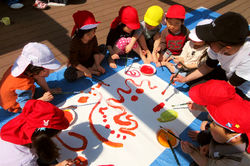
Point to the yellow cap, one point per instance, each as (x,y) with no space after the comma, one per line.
(153,15)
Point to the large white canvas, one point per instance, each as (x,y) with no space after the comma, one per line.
(139,144)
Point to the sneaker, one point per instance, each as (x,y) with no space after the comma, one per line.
(57,2)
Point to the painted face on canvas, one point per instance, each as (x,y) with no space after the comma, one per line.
(88,36)
(174,25)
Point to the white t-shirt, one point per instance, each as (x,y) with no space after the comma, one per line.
(238,63)
(16,155)
(191,55)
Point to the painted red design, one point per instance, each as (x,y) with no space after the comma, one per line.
(158,107)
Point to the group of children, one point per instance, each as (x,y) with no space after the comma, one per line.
(175,47)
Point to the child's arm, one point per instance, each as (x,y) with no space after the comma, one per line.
(131,43)
(143,44)
(84,70)
(157,41)
(162,44)
(112,53)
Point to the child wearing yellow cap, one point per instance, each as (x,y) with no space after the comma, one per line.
(149,33)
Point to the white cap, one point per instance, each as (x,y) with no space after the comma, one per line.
(36,54)
(193,35)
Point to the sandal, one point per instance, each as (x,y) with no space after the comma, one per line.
(40,5)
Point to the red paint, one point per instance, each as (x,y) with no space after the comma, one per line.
(84,140)
(101,111)
(133,73)
(104,120)
(124,137)
(139,90)
(92,88)
(118,135)
(158,107)
(120,122)
(163,92)
(134,98)
(94,94)
(80,161)
(68,116)
(107,126)
(112,132)
(104,116)
(147,69)
(83,99)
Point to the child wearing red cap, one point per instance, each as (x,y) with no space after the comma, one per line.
(175,35)
(228,135)
(120,39)
(84,58)
(33,65)
(194,53)
(27,139)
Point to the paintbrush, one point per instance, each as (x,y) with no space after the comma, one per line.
(175,157)
(97,79)
(73,92)
(170,133)
(171,81)
(179,104)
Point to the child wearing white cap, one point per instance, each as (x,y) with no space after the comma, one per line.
(194,53)
(33,65)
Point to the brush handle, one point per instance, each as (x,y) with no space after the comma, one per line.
(170,133)
(175,157)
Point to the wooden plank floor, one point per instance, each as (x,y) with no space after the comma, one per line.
(53,27)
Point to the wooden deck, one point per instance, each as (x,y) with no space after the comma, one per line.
(53,27)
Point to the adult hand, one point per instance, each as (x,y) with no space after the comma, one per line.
(178,78)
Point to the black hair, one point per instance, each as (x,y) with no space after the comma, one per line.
(45,148)
(79,32)
(243,136)
(32,70)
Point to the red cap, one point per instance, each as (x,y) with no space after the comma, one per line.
(213,92)
(84,20)
(233,115)
(128,16)
(35,114)
(176,11)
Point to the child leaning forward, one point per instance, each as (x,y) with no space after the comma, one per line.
(120,39)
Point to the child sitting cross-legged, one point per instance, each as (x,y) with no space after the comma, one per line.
(85,58)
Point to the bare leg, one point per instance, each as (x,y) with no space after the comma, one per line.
(141,53)
(98,59)
(111,59)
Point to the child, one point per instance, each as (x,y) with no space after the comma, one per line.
(175,35)
(194,53)
(27,139)
(120,39)
(230,133)
(85,58)
(149,33)
(33,65)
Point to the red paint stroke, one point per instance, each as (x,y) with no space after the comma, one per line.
(107,126)
(118,135)
(107,165)
(80,161)
(83,99)
(134,98)
(84,140)
(98,135)
(158,107)
(133,73)
(139,90)
(68,116)
(104,120)
(125,123)
(147,69)
(98,85)
(101,111)
(124,137)
(92,88)
(120,122)
(121,100)
(112,132)
(163,92)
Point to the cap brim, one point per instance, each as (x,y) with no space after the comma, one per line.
(192,36)
(53,65)
(134,26)
(205,33)
(194,94)
(19,66)
(90,26)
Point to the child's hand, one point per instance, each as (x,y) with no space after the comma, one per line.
(196,107)
(68,162)
(115,56)
(56,91)
(87,73)
(187,147)
(100,69)
(47,96)
(204,150)
(128,48)
(178,78)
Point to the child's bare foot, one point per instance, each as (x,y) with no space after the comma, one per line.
(112,63)
(193,134)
